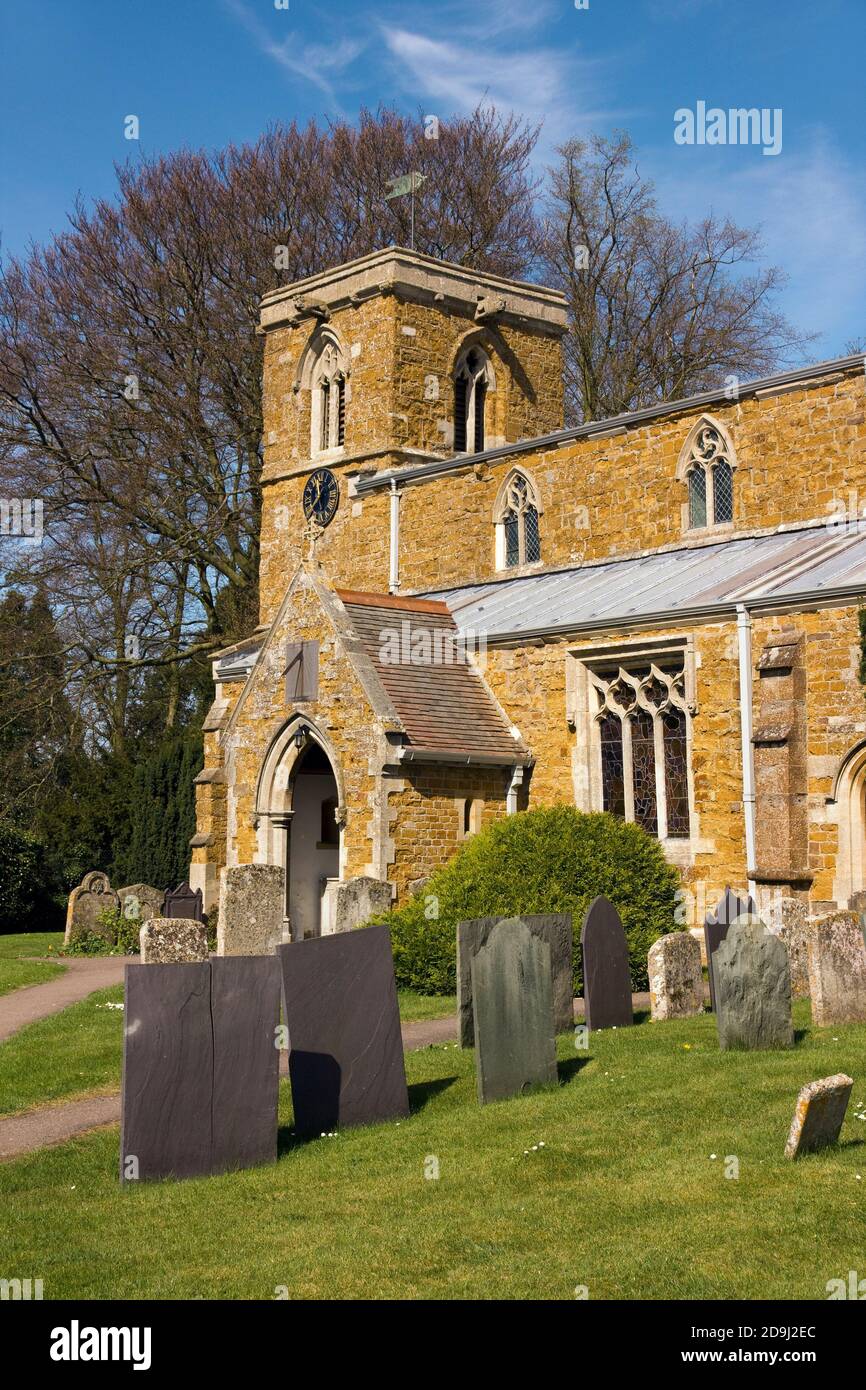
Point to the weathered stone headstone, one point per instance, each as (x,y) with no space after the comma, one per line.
(345,1046)
(142,901)
(606,974)
(857,903)
(512,1006)
(788,918)
(554,928)
(819,1114)
(675,979)
(172,940)
(716,924)
(200,1068)
(753,988)
(353,901)
(182,901)
(837,970)
(93,896)
(251,910)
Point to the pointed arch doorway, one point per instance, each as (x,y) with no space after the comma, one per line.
(298,825)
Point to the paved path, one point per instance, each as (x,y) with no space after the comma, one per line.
(82,976)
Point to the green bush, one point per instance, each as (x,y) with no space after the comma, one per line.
(20,879)
(123,939)
(551,860)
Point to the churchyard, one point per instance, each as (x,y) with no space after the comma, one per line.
(666,1153)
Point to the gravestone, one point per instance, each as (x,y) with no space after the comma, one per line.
(857,903)
(819,1114)
(753,988)
(345,1045)
(142,901)
(675,979)
(353,901)
(512,1008)
(555,929)
(788,918)
(837,970)
(172,940)
(251,910)
(93,896)
(716,923)
(183,902)
(200,1068)
(606,974)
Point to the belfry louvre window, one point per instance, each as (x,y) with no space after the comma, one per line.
(519,540)
(641,722)
(472,380)
(709,472)
(328,401)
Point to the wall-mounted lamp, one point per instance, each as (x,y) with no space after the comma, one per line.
(300,737)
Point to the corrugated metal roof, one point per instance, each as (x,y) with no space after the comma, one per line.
(716,576)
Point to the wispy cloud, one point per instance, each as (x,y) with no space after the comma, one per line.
(319,64)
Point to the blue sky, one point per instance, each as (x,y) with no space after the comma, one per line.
(205,72)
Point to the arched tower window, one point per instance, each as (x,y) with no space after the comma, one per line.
(328,406)
(518,540)
(472,380)
(707,466)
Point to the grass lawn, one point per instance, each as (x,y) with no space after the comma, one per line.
(15,971)
(628,1195)
(418,1008)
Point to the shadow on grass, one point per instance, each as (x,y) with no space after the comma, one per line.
(422,1092)
(568,1069)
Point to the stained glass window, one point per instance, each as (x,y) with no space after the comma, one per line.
(676,772)
(643,759)
(612,775)
(697,497)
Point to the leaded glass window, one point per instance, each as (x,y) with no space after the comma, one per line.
(642,722)
(518,520)
(709,473)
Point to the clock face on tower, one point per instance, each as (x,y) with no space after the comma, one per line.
(321,496)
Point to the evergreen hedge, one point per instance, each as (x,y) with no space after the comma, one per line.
(552,860)
(21,879)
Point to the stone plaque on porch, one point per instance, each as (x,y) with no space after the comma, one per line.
(555,929)
(729,907)
(345,1045)
(606,973)
(512,1009)
(251,909)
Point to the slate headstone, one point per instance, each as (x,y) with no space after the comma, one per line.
(512,1005)
(251,910)
(818,1117)
(716,923)
(555,929)
(245,1001)
(753,988)
(170,940)
(345,1045)
(93,896)
(675,979)
(837,970)
(182,901)
(606,974)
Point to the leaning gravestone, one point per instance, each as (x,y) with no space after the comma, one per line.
(172,940)
(183,901)
(251,910)
(716,923)
(555,929)
(819,1114)
(355,900)
(345,1045)
(606,974)
(675,979)
(142,901)
(753,988)
(788,918)
(512,1006)
(200,1068)
(93,896)
(837,970)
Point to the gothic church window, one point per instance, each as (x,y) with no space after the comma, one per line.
(328,401)
(708,466)
(472,379)
(518,540)
(641,722)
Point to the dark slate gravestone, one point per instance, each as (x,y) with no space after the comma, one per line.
(716,923)
(345,1046)
(200,1068)
(555,929)
(165,1128)
(512,1005)
(753,988)
(606,975)
(183,902)
(245,1003)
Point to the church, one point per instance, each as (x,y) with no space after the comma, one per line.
(468,610)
